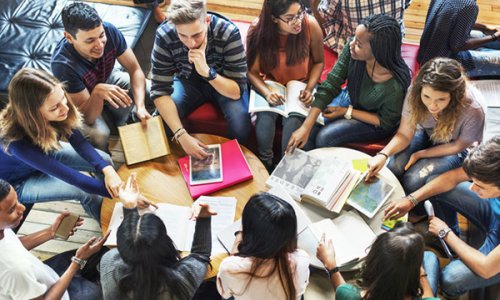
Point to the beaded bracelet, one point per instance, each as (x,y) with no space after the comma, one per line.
(413,200)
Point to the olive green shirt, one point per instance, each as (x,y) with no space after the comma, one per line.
(384,99)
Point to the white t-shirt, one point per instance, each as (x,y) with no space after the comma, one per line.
(22,275)
(232,278)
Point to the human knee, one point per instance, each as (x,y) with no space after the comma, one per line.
(453,279)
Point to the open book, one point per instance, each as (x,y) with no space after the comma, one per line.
(326,183)
(177,221)
(292,104)
(490,90)
(350,234)
(144,143)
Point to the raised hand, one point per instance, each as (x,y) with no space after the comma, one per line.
(129,193)
(92,246)
(201,210)
(326,252)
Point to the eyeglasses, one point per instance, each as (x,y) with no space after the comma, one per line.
(297,18)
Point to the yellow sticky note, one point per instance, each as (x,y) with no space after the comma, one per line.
(360,164)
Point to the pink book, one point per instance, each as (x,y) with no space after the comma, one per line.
(235,169)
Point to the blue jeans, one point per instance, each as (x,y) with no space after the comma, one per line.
(85,284)
(191,93)
(486,58)
(265,128)
(431,267)
(416,176)
(41,187)
(342,131)
(456,278)
(99,132)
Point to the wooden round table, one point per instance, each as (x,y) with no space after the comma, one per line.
(161,180)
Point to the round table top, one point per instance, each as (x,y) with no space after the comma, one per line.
(161,180)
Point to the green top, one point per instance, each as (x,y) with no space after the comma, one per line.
(351,292)
(385,99)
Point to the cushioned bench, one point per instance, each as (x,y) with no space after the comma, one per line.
(31,29)
(209,119)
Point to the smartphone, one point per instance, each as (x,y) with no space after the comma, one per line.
(66,226)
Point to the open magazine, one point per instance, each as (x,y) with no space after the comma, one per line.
(326,183)
(292,104)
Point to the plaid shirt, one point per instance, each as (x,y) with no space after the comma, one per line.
(340,17)
(224,52)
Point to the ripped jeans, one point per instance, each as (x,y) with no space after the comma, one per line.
(416,176)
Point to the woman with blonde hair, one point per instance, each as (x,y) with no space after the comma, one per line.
(442,116)
(42,150)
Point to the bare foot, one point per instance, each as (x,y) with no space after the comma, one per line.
(159,15)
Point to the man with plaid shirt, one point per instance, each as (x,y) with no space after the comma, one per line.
(339,18)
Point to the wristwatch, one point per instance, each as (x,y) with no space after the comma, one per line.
(348,114)
(212,73)
(78,261)
(443,233)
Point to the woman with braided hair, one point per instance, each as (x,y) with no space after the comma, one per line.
(377,79)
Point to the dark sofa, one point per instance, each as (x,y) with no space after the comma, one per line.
(31,29)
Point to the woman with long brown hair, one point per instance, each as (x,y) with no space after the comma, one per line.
(284,44)
(266,263)
(442,116)
(42,151)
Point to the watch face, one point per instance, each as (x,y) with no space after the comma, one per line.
(442,233)
(212,73)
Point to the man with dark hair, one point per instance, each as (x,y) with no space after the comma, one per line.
(451,31)
(199,57)
(23,276)
(84,61)
(479,202)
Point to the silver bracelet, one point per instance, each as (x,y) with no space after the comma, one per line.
(413,200)
(79,261)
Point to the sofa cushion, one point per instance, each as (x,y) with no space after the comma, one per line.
(31,29)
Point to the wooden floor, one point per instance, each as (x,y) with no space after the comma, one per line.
(43,214)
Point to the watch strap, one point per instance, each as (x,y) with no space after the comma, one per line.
(348,114)
(333,271)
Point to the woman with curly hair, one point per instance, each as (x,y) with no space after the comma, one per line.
(442,116)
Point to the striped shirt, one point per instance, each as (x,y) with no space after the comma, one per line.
(447,26)
(224,52)
(341,17)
